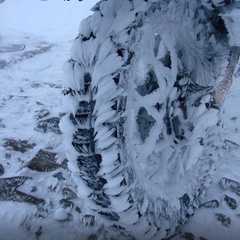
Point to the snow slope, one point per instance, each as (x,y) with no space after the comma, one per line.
(32,84)
(29,85)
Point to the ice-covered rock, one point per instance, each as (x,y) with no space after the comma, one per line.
(142,121)
(48,125)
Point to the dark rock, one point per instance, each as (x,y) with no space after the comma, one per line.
(1,170)
(3,64)
(23,197)
(64,164)
(226,221)
(44,161)
(231,202)
(188,236)
(185,200)
(48,125)
(92,237)
(202,238)
(18,145)
(38,233)
(61,114)
(33,189)
(68,193)
(150,84)
(210,204)
(89,220)
(41,113)
(78,209)
(66,203)
(59,176)
(230,184)
(145,123)
(9,192)
(9,184)
(70,217)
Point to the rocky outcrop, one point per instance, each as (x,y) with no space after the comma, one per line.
(9,192)
(231,202)
(44,161)
(48,125)
(210,204)
(231,185)
(226,221)
(18,145)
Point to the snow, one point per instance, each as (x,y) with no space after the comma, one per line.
(33,84)
(60,214)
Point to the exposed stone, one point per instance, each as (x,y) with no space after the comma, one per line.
(92,237)
(89,220)
(231,202)
(226,221)
(210,204)
(1,170)
(78,209)
(61,114)
(18,145)
(66,203)
(9,192)
(145,123)
(23,197)
(41,113)
(33,189)
(185,200)
(9,184)
(64,164)
(68,193)
(48,125)
(230,184)
(202,238)
(188,236)
(59,176)
(38,233)
(44,161)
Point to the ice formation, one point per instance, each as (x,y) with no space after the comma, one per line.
(141,129)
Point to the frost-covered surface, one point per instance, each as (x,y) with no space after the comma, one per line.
(144,117)
(30,92)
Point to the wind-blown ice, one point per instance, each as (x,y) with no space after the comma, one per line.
(142,112)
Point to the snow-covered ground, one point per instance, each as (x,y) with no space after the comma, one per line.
(31,85)
(40,34)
